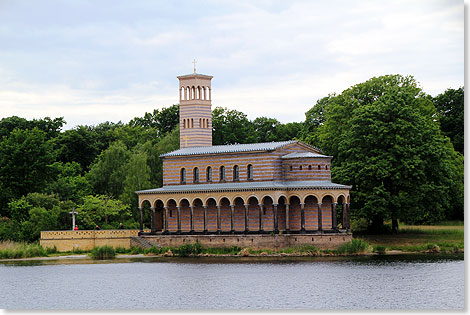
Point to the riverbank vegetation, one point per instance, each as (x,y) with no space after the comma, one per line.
(399,148)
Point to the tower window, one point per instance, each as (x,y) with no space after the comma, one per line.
(222,173)
(209,174)
(183,175)
(236,173)
(310,167)
(192,123)
(290,167)
(250,171)
(196,175)
(319,167)
(300,167)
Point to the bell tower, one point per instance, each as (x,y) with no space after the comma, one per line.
(195,110)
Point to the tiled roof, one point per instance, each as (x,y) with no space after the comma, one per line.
(214,149)
(237,186)
(296,155)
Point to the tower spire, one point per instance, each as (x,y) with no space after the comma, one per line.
(194,62)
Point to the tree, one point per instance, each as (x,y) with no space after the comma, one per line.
(230,127)
(102,210)
(164,120)
(51,127)
(314,118)
(450,112)
(107,174)
(25,156)
(137,178)
(389,148)
(69,184)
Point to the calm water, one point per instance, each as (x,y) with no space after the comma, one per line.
(416,282)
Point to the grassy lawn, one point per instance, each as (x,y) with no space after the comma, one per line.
(420,237)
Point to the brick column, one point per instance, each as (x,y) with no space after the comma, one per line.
(191,215)
(320,221)
(166,218)
(287,218)
(152,219)
(302,217)
(205,218)
(178,209)
(218,219)
(333,216)
(141,220)
(232,209)
(246,218)
(275,217)
(260,217)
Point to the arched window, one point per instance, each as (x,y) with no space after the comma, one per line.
(196,175)
(319,167)
(290,167)
(310,167)
(184,123)
(326,167)
(209,174)
(300,167)
(183,175)
(222,173)
(192,123)
(250,171)
(236,173)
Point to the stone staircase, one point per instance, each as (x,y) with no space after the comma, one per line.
(141,242)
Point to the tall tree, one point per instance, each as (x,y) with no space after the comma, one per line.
(387,145)
(230,127)
(450,111)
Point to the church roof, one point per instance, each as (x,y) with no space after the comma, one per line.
(240,186)
(230,148)
(297,155)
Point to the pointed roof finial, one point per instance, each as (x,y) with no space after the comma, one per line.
(194,62)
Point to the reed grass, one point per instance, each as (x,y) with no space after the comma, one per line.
(103,252)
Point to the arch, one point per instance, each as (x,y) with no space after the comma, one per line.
(185,215)
(184,123)
(300,167)
(281,213)
(183,175)
(310,167)
(311,212)
(268,213)
(198,215)
(172,219)
(200,122)
(193,92)
(211,219)
(188,93)
(326,207)
(222,173)
(253,213)
(236,173)
(192,123)
(159,215)
(319,167)
(294,213)
(249,171)
(205,92)
(198,93)
(209,174)
(239,214)
(225,214)
(145,202)
(196,175)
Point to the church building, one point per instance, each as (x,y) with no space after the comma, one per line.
(258,188)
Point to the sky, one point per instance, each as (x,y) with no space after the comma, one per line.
(111,60)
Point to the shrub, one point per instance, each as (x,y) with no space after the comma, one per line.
(353,247)
(379,249)
(51,250)
(189,250)
(136,250)
(103,252)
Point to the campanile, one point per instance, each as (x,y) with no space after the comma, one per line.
(195,110)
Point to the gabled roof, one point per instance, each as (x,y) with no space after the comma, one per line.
(298,155)
(232,148)
(241,186)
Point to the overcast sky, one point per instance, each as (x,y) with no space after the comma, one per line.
(96,61)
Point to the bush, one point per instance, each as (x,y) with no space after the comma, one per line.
(353,247)
(103,252)
(189,250)
(379,249)
(51,250)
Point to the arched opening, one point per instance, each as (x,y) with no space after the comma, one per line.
(253,214)
(211,215)
(239,214)
(184,123)
(193,93)
(339,212)
(159,215)
(319,167)
(192,123)
(222,173)
(300,167)
(187,94)
(198,93)
(268,214)
(183,175)
(281,213)
(205,93)
(200,123)
(236,173)
(185,215)
(172,219)
(311,213)
(310,167)
(196,175)
(250,172)
(225,215)
(326,207)
(209,174)
(198,215)
(294,213)
(146,214)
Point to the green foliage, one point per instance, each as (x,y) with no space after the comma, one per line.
(137,178)
(101,209)
(24,159)
(450,112)
(189,250)
(69,184)
(103,252)
(230,126)
(164,120)
(379,249)
(354,247)
(23,250)
(51,127)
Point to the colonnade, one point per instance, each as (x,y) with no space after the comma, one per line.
(275,225)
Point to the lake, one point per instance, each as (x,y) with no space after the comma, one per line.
(378,282)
